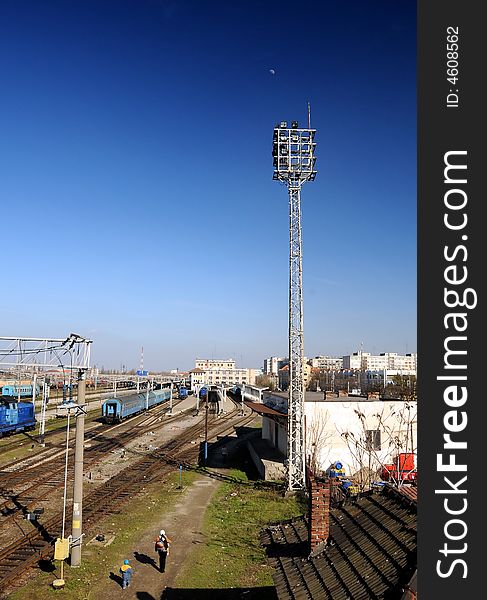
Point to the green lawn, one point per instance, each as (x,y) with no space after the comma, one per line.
(233,557)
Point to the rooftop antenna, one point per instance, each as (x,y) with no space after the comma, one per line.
(142,358)
(309,116)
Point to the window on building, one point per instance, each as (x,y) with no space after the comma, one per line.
(372,439)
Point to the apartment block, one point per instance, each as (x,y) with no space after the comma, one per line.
(217,363)
(329,363)
(365,361)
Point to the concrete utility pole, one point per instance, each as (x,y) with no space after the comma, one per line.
(293,152)
(34,385)
(197,394)
(45,400)
(78,474)
(206,427)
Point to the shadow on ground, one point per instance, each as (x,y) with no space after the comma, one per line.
(229,452)
(147,560)
(259,593)
(116,578)
(47,566)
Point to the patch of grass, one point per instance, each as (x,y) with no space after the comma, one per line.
(233,557)
(97,561)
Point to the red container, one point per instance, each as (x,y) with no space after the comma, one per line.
(406,461)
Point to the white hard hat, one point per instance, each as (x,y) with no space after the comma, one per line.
(162,532)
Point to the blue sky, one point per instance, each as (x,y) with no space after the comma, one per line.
(138,207)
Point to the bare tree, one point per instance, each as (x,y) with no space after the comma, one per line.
(402,386)
(381,440)
(318,441)
(266,381)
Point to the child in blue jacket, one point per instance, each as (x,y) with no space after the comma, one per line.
(126,571)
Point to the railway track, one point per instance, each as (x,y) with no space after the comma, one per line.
(27,488)
(24,438)
(26,551)
(8,470)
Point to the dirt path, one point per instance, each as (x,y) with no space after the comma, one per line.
(183,526)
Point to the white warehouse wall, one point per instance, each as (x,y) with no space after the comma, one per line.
(339,429)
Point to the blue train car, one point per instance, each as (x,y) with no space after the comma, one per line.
(13,390)
(16,416)
(183,393)
(115,410)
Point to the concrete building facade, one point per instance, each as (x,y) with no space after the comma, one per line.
(214,363)
(220,372)
(273,364)
(329,363)
(365,361)
(283,375)
(363,435)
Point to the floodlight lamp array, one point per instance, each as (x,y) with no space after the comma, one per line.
(293,152)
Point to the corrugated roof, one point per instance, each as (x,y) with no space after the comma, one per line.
(262,409)
(371,552)
(410,492)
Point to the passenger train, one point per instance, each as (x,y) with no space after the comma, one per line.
(115,410)
(13,391)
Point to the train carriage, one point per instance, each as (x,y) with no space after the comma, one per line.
(24,391)
(115,410)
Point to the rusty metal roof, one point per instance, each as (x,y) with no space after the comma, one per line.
(371,552)
(263,409)
(410,491)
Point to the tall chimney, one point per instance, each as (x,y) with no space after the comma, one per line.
(319,518)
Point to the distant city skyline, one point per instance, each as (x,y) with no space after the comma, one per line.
(139,206)
(124,367)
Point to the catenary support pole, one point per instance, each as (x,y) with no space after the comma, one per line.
(45,399)
(206,426)
(78,474)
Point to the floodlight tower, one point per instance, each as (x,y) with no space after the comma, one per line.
(294,161)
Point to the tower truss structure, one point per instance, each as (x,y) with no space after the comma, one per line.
(294,160)
(71,353)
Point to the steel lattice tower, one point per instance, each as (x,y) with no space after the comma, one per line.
(294,161)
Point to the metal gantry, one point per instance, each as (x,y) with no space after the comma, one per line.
(294,163)
(71,353)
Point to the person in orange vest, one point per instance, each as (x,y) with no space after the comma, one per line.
(126,571)
(162,548)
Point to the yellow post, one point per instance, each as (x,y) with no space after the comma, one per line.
(61,552)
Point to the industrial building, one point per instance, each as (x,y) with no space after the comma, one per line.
(362,434)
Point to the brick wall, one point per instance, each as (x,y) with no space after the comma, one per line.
(319,517)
